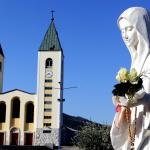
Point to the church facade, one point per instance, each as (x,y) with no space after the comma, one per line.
(35,118)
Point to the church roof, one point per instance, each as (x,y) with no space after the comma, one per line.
(17,90)
(1,51)
(51,40)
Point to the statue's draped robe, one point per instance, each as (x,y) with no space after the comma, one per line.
(140,19)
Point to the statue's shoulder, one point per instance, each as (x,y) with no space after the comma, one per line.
(147,63)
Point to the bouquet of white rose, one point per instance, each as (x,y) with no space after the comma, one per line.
(129,83)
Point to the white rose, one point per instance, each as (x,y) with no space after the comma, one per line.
(118,78)
(133,77)
(122,75)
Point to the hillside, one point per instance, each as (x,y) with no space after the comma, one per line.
(71,125)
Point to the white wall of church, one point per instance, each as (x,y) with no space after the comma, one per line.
(56,56)
(18,123)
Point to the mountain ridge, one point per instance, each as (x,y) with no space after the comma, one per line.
(71,124)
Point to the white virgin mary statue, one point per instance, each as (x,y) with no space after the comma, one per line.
(134,24)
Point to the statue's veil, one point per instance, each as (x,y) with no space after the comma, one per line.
(140,19)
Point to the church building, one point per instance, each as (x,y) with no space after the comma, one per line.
(35,119)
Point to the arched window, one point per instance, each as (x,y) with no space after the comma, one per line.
(49,63)
(2,112)
(29,112)
(16,108)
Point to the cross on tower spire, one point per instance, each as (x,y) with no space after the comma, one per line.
(52,14)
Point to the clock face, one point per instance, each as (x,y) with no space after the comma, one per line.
(49,74)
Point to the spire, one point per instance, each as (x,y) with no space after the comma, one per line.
(1,51)
(51,40)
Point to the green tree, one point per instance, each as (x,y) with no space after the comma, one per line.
(93,136)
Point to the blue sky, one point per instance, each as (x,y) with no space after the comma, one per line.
(93,48)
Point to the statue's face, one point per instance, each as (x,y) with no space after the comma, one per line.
(129,33)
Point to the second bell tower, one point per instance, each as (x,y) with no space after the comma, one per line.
(1,68)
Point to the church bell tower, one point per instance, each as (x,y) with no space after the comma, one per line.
(1,68)
(49,85)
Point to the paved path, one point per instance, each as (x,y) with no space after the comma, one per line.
(69,148)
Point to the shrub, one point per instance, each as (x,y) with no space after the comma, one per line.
(93,136)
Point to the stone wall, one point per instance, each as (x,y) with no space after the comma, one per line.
(47,136)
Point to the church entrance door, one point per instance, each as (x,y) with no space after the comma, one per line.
(14,139)
(28,138)
(1,138)
(14,136)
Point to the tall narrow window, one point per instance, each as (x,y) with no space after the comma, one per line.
(2,112)
(49,63)
(16,108)
(29,112)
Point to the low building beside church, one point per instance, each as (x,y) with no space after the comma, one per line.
(35,118)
